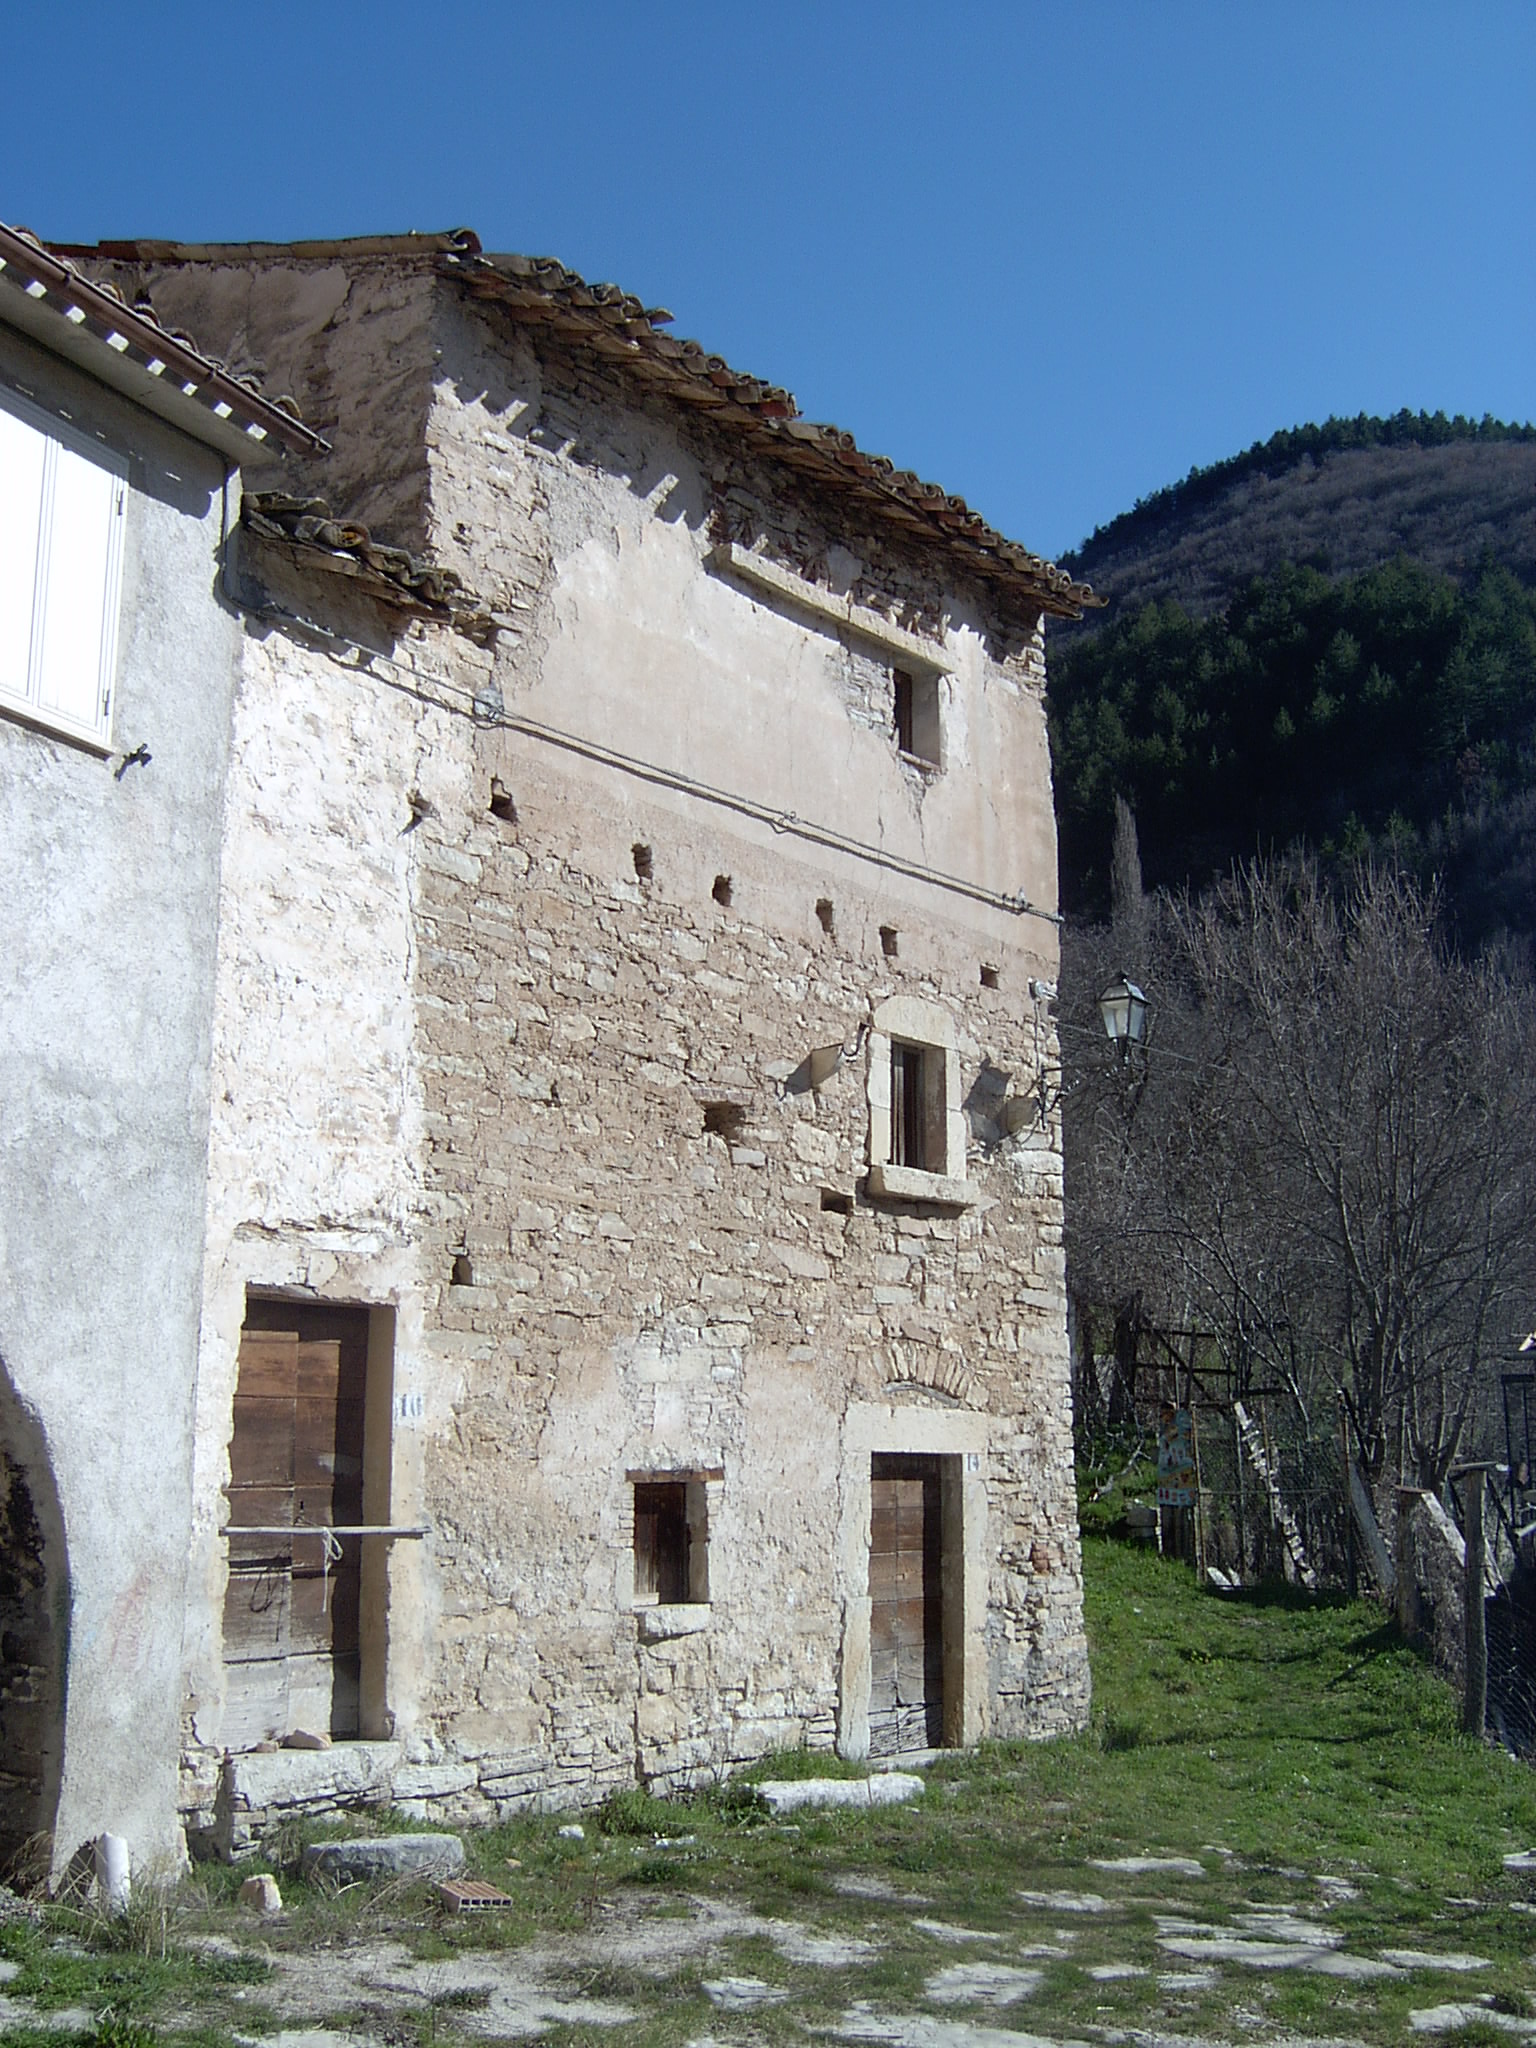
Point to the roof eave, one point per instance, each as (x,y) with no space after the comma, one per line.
(46,298)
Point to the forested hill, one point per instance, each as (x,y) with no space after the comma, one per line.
(1329,640)
(1340,497)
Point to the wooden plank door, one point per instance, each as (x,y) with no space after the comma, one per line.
(292,1612)
(906,1625)
(259,1597)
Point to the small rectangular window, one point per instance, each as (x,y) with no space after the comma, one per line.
(915,1070)
(915,720)
(671,1555)
(903,710)
(62,504)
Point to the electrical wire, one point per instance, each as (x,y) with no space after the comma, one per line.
(788,822)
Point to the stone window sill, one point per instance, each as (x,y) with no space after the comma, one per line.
(678,1618)
(911,1184)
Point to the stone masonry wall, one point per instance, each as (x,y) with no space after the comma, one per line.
(648,1295)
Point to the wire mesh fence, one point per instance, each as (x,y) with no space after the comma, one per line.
(1263,1492)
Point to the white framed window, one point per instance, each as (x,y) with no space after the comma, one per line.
(62,504)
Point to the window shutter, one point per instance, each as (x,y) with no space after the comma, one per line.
(22,453)
(62,502)
(79,609)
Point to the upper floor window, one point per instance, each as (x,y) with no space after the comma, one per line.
(915,719)
(61,551)
(917,1107)
(916,1123)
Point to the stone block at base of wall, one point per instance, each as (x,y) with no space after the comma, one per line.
(258,1792)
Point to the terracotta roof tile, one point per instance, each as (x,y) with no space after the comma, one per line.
(545,291)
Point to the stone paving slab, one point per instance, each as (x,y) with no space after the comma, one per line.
(918,2030)
(941,1930)
(1068,1902)
(304,2037)
(982,1984)
(1441,2019)
(1422,1959)
(742,1994)
(1150,1866)
(1275,1955)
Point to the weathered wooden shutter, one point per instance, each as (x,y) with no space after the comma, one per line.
(661,1542)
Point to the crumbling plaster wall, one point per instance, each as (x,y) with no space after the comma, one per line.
(346,338)
(522,1032)
(109,907)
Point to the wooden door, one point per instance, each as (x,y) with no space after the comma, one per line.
(906,1624)
(292,1608)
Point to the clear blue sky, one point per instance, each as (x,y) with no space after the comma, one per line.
(1048,257)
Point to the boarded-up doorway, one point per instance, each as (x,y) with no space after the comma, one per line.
(292,1611)
(906,1622)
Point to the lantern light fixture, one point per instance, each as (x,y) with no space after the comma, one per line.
(1124,1010)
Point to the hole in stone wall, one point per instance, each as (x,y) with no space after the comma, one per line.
(463,1270)
(641,856)
(890,943)
(989,977)
(722,891)
(824,915)
(502,805)
(835,1203)
(725,1120)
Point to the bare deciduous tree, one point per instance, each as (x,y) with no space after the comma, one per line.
(1327,1155)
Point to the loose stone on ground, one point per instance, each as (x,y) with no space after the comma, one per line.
(889,1788)
(374,1856)
(742,1994)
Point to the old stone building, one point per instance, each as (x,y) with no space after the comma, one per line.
(633,1220)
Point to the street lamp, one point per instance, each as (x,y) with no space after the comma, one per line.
(1124,1010)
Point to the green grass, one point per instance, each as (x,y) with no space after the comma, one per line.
(1275,1738)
